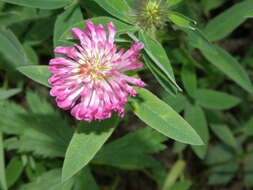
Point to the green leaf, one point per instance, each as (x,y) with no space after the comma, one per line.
(17,15)
(171,3)
(50,180)
(11,49)
(248,172)
(86,142)
(38,73)
(85,180)
(179,147)
(182,185)
(221,173)
(181,20)
(221,59)
(5,94)
(148,108)
(189,78)
(3,182)
(41,4)
(250,15)
(156,52)
(224,133)
(160,77)
(196,118)
(38,33)
(21,16)
(11,122)
(42,130)
(210,5)
(218,154)
(31,54)
(13,171)
(223,24)
(64,21)
(177,102)
(176,170)
(117,8)
(121,27)
(212,99)
(131,151)
(248,128)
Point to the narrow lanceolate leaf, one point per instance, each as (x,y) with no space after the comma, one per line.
(196,117)
(160,77)
(3,183)
(5,94)
(117,8)
(177,102)
(31,54)
(189,78)
(223,132)
(225,23)
(210,5)
(132,150)
(221,174)
(37,73)
(215,100)
(181,185)
(174,173)
(221,59)
(12,50)
(171,3)
(181,20)
(248,128)
(156,52)
(41,4)
(85,143)
(120,26)
(65,21)
(248,174)
(13,171)
(250,15)
(160,116)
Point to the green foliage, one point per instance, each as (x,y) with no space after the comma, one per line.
(12,50)
(5,94)
(148,108)
(215,100)
(130,151)
(86,141)
(3,182)
(120,26)
(221,59)
(38,73)
(43,4)
(225,134)
(196,117)
(117,8)
(223,25)
(41,126)
(64,21)
(13,171)
(156,52)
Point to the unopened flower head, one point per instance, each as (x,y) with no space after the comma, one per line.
(151,14)
(89,79)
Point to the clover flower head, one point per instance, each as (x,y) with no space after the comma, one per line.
(89,78)
(151,14)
